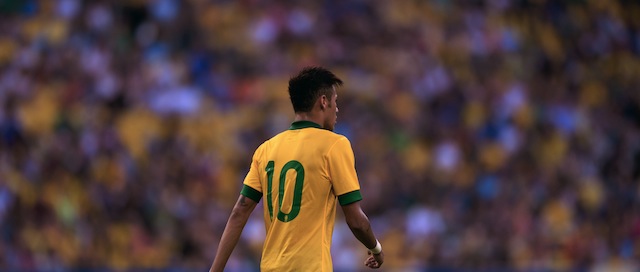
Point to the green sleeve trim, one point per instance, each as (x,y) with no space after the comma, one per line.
(249,192)
(350,197)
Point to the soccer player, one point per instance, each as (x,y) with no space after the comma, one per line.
(301,173)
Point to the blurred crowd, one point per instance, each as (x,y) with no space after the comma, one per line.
(488,134)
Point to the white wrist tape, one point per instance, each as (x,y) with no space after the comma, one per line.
(377,249)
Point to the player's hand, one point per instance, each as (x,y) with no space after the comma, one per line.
(375,260)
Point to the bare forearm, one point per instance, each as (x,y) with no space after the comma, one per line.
(366,237)
(361,228)
(232,231)
(228,242)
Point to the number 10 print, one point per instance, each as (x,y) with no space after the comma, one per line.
(297,190)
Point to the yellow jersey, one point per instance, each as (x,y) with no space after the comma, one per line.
(300,173)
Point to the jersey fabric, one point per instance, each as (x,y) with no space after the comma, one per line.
(301,173)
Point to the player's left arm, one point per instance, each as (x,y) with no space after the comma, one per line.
(237,220)
(341,165)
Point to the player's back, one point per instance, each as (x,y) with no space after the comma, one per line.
(297,171)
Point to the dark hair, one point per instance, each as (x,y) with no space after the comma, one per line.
(308,85)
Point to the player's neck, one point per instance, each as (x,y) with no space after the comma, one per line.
(308,116)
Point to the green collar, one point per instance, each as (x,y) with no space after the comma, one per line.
(303,124)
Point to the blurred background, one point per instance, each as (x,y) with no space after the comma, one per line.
(489,135)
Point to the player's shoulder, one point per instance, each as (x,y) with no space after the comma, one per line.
(330,135)
(333,140)
(320,135)
(272,141)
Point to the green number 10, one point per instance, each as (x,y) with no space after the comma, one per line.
(297,190)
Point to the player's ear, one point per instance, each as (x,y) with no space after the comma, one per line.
(323,101)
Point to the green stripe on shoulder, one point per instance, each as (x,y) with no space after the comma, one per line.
(349,197)
(249,192)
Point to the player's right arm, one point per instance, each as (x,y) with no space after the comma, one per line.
(360,226)
(237,220)
(249,198)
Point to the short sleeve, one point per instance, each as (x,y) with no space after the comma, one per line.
(252,187)
(342,172)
